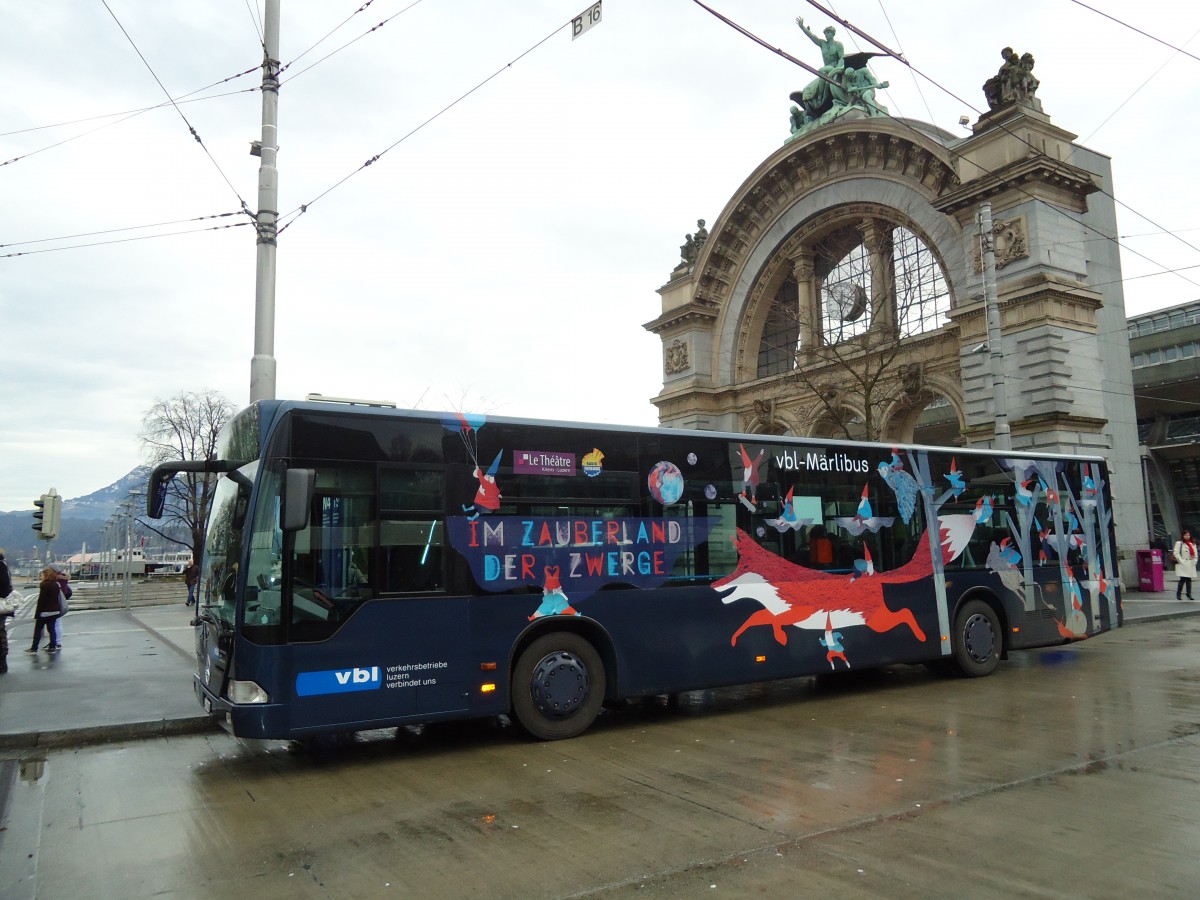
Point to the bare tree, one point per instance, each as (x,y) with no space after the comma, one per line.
(185,427)
(854,326)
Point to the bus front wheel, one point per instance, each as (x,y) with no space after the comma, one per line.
(977,639)
(558,686)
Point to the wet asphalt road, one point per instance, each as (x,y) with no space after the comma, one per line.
(1072,772)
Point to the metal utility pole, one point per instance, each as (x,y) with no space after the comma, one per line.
(987,242)
(262,365)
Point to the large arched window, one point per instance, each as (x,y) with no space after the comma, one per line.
(777,350)
(869,276)
(879,275)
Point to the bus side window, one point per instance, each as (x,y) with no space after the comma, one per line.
(412,555)
(331,564)
(412,532)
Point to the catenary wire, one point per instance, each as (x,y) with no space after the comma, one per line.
(192,130)
(1157,40)
(1013,134)
(71,237)
(303,207)
(144,237)
(332,53)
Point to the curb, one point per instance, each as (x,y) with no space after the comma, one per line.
(1160,617)
(105,734)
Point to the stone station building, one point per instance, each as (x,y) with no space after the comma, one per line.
(841,292)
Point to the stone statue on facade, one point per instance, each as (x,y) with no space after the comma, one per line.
(1013,83)
(843,83)
(689,251)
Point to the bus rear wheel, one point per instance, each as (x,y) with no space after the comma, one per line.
(558,686)
(977,639)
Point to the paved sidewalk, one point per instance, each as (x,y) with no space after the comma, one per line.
(125,674)
(122,674)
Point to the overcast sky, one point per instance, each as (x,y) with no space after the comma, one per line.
(504,257)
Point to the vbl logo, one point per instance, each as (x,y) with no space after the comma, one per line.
(336,681)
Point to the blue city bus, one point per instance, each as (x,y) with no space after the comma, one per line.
(368,567)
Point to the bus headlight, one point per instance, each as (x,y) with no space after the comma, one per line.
(247,692)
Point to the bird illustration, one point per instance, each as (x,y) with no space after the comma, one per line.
(864,519)
(983,510)
(1025,494)
(865,566)
(955,477)
(903,485)
(1075,626)
(1090,493)
(1051,493)
(787,517)
(1009,552)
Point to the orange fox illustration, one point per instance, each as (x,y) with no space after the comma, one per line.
(807,598)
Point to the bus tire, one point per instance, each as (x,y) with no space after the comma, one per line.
(978,640)
(557,686)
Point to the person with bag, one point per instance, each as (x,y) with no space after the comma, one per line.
(47,611)
(6,610)
(1185,564)
(64,596)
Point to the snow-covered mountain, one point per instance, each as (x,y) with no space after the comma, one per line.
(103,503)
(83,518)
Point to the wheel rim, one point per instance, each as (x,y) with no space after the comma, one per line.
(979,639)
(559,684)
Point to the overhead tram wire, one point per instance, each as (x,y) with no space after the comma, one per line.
(71,237)
(303,207)
(333,31)
(182,98)
(1038,151)
(129,114)
(1016,187)
(125,114)
(916,82)
(967,103)
(256,20)
(1136,91)
(194,133)
(144,237)
(1157,40)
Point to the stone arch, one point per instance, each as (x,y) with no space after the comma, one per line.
(767,417)
(1057,293)
(886,166)
(903,417)
(815,248)
(820,424)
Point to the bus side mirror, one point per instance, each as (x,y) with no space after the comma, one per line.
(156,497)
(297,498)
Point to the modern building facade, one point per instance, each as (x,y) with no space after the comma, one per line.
(1165,357)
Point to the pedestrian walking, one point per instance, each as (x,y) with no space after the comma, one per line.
(47,611)
(6,611)
(191,577)
(61,576)
(1185,564)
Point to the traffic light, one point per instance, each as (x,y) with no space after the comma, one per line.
(48,516)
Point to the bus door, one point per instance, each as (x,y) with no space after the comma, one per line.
(369,595)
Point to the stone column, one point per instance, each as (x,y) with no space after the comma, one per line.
(877,239)
(808,300)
